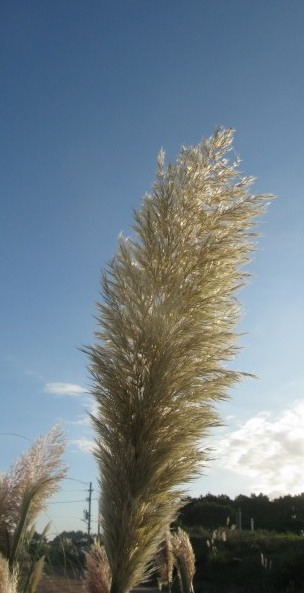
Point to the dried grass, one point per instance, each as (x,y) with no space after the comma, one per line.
(24,491)
(165,334)
(184,559)
(98,570)
(8,579)
(164,562)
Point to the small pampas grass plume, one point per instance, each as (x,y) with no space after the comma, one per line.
(164,563)
(98,577)
(25,489)
(184,560)
(8,578)
(40,470)
(165,334)
(35,575)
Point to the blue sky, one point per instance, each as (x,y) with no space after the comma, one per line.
(90,91)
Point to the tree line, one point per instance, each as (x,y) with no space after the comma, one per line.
(283,514)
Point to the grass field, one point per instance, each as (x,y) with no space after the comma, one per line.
(59,584)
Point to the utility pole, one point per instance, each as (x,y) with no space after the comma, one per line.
(88,513)
(90,509)
(98,521)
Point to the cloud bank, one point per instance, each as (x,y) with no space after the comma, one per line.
(269,450)
(64,389)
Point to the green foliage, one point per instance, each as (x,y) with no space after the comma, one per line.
(66,553)
(207,513)
(251,561)
(283,515)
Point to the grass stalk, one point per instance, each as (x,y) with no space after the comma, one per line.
(165,336)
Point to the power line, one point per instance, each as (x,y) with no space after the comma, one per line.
(80,481)
(15,434)
(81,490)
(66,501)
(71,501)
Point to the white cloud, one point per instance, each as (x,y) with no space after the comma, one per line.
(84,445)
(268,450)
(63,389)
(81,420)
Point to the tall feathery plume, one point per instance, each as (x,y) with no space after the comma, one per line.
(166,330)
